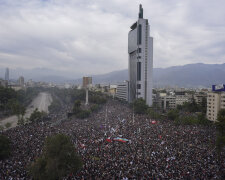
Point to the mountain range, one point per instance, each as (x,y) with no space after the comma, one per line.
(190,75)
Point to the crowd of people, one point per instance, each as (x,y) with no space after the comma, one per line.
(154,149)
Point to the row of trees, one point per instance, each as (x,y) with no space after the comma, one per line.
(84,113)
(9,101)
(189,113)
(182,115)
(55,106)
(96,100)
(187,119)
(14,102)
(193,106)
(36,116)
(79,112)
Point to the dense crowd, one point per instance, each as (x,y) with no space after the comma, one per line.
(158,150)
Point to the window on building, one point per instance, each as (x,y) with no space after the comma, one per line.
(138,86)
(139,50)
(138,71)
(139,33)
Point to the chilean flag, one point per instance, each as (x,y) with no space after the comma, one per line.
(120,139)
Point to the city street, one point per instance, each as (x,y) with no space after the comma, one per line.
(41,102)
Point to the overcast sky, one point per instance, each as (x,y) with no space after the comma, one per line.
(90,36)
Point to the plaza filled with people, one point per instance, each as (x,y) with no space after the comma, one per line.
(144,148)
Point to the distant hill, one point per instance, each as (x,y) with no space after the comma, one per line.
(190,75)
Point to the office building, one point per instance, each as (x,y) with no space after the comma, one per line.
(87,81)
(122,90)
(181,99)
(21,81)
(168,102)
(140,50)
(112,90)
(7,74)
(215,102)
(200,97)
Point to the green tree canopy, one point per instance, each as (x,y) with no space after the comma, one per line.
(36,116)
(4,147)
(220,141)
(58,160)
(140,106)
(97,99)
(76,107)
(83,114)
(153,114)
(173,114)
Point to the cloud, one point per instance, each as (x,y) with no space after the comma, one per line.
(90,37)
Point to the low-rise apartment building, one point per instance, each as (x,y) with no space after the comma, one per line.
(215,102)
(122,91)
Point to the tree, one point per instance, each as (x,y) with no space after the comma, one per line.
(55,105)
(204,104)
(58,160)
(172,114)
(19,110)
(36,116)
(4,147)
(1,128)
(153,114)
(186,120)
(140,106)
(83,114)
(202,119)
(94,107)
(97,99)
(8,125)
(7,97)
(220,124)
(76,107)
(190,106)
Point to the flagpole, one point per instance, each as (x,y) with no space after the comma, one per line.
(133,114)
(105,117)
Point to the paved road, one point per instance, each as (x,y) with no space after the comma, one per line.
(41,102)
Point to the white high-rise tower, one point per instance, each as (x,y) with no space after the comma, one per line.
(7,74)
(140,49)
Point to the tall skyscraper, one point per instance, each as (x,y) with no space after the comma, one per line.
(7,74)
(140,49)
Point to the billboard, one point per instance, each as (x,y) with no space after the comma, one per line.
(218,88)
